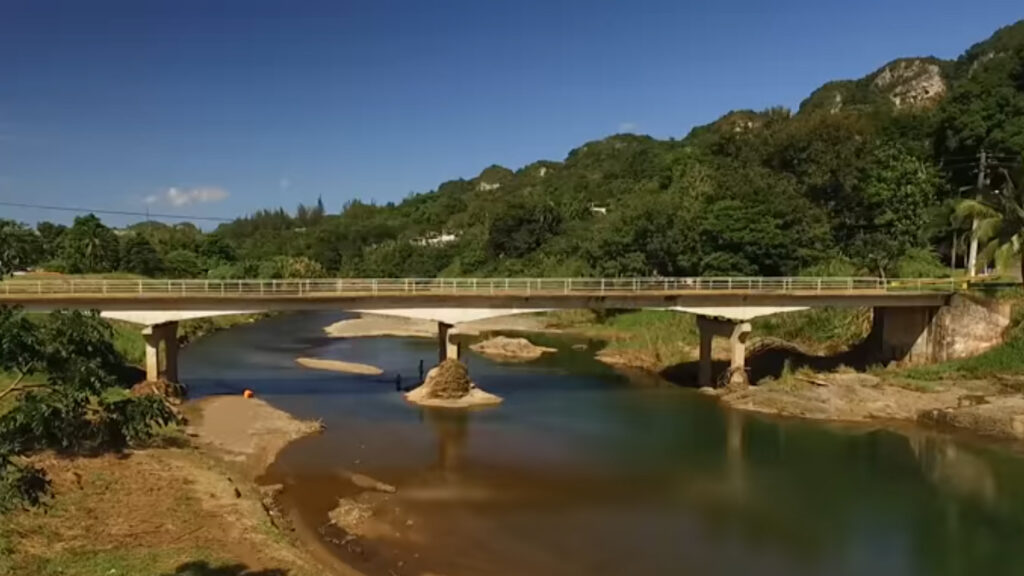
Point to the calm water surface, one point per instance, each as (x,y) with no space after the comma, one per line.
(583,471)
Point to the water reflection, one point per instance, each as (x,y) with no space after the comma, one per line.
(953,468)
(451,428)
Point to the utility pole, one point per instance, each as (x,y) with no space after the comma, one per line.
(972,256)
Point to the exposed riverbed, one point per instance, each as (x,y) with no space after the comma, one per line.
(586,471)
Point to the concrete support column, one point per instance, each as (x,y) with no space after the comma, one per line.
(706,338)
(736,332)
(738,346)
(152,353)
(903,335)
(161,365)
(171,352)
(447,350)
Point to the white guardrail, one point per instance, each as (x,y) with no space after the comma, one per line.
(456,286)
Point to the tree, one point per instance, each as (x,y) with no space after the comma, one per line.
(743,234)
(522,226)
(1000,215)
(215,250)
(81,407)
(291,268)
(182,264)
(889,214)
(19,247)
(20,348)
(89,246)
(650,235)
(140,257)
(50,234)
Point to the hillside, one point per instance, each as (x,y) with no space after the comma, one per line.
(862,179)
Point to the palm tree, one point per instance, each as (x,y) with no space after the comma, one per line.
(1000,217)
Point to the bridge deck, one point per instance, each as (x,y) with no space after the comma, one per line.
(384,293)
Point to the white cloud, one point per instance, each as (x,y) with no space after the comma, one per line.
(627,127)
(284,184)
(184,196)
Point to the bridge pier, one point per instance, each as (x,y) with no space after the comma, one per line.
(737,333)
(161,365)
(447,350)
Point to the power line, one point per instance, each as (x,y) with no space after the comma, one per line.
(147,214)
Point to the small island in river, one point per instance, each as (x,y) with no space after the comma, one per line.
(339,366)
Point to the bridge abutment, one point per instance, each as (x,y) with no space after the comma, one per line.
(161,362)
(925,334)
(737,333)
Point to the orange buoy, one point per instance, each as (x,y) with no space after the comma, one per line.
(248,393)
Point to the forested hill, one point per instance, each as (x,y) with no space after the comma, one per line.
(862,179)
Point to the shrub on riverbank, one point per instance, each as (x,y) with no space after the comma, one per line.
(69,395)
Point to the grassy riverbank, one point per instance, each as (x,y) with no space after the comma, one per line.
(174,503)
(657,339)
(159,511)
(185,506)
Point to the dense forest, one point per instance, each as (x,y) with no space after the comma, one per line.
(865,178)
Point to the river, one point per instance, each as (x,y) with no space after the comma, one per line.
(585,471)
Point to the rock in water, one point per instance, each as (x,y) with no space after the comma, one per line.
(448,385)
(503,348)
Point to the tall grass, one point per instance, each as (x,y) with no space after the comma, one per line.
(821,329)
(1007,358)
(664,337)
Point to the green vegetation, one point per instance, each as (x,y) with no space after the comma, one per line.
(662,338)
(1000,217)
(1007,358)
(70,396)
(1003,360)
(821,330)
(863,179)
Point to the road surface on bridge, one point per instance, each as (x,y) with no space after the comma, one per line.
(531,293)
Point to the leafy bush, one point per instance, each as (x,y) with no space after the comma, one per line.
(80,407)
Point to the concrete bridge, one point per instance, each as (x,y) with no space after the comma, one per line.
(905,309)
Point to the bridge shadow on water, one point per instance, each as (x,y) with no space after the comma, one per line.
(204,568)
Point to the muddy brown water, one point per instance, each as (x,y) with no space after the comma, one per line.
(585,471)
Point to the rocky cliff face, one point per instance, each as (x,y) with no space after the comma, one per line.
(906,84)
(910,83)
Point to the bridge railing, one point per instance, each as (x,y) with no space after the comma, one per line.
(467,286)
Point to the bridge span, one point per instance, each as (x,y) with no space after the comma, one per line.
(723,305)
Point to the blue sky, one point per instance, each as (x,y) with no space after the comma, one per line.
(208,107)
